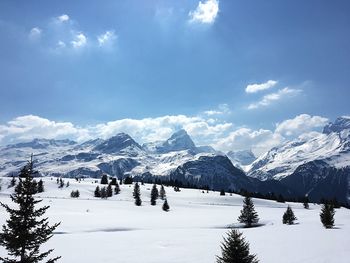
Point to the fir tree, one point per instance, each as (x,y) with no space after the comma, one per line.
(288,216)
(61,184)
(114,181)
(165,206)
(104,193)
(12,182)
(109,191)
(327,215)
(248,214)
(154,194)
(104,179)
(25,231)
(75,194)
(67,184)
(117,189)
(222,192)
(128,180)
(162,193)
(40,186)
(235,249)
(97,192)
(306,202)
(137,195)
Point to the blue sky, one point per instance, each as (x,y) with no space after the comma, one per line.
(93,63)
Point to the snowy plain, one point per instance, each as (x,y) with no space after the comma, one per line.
(115,230)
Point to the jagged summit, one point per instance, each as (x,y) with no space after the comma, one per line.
(340,124)
(117,143)
(242,157)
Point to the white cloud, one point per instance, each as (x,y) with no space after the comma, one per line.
(107,38)
(35,33)
(259,141)
(63,18)
(29,127)
(61,44)
(79,41)
(221,135)
(301,124)
(253,88)
(221,109)
(272,97)
(205,13)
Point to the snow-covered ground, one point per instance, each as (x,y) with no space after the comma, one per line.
(115,230)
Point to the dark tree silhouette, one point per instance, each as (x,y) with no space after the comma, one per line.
(40,186)
(137,195)
(166,206)
(104,179)
(248,214)
(235,249)
(25,231)
(288,216)
(327,215)
(162,193)
(154,195)
(97,192)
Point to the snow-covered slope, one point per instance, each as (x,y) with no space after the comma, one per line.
(332,146)
(317,166)
(241,158)
(115,230)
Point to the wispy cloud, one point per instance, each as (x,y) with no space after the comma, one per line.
(79,41)
(107,38)
(221,109)
(205,13)
(35,33)
(63,18)
(273,97)
(253,88)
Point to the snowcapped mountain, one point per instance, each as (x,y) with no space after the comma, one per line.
(176,158)
(241,158)
(311,165)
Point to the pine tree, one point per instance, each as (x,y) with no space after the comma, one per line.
(137,195)
(109,191)
(67,184)
(12,182)
(40,186)
(235,249)
(165,206)
(248,214)
(75,194)
(222,192)
(327,215)
(114,181)
(306,202)
(61,184)
(288,216)
(117,189)
(104,179)
(154,194)
(25,231)
(97,192)
(104,193)
(162,193)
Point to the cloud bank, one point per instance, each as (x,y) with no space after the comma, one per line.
(224,136)
(205,13)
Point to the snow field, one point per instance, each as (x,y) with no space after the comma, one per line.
(115,230)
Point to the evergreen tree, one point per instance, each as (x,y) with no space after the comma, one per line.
(61,184)
(306,202)
(222,192)
(75,194)
(109,191)
(280,199)
(97,192)
(25,231)
(128,180)
(154,194)
(40,186)
(67,184)
(165,206)
(235,249)
(137,195)
(104,179)
(12,182)
(248,214)
(162,193)
(117,189)
(114,181)
(327,215)
(288,216)
(104,193)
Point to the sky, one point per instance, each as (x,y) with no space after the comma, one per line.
(236,74)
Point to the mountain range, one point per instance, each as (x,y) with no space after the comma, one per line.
(317,166)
